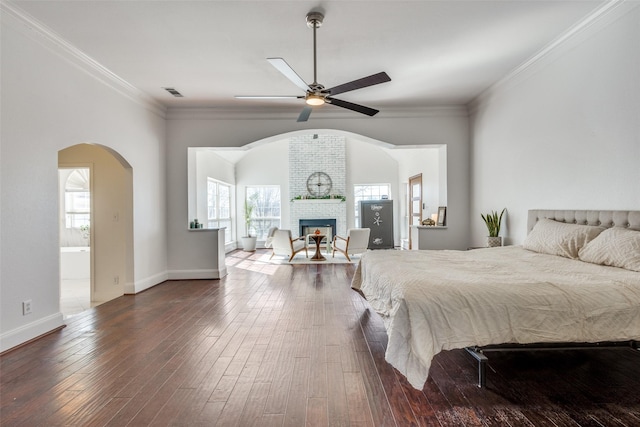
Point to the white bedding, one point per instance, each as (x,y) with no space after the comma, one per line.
(440,300)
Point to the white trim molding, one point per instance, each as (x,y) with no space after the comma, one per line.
(282,113)
(30,331)
(146,283)
(319,201)
(48,38)
(217,273)
(610,10)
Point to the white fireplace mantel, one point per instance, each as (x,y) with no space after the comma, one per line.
(317,201)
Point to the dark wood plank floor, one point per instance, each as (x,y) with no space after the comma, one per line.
(288,346)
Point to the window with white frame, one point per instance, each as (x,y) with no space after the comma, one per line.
(266,208)
(75,206)
(369,192)
(219,207)
(77,200)
(78,208)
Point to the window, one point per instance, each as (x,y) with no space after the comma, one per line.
(369,192)
(266,211)
(77,200)
(219,207)
(78,208)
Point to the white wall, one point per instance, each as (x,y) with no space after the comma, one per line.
(266,164)
(48,104)
(368,164)
(206,128)
(565,133)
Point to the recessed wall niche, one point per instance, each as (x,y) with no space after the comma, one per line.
(288,160)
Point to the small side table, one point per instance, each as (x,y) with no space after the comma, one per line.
(318,255)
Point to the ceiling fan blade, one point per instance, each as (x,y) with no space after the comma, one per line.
(360,83)
(268,97)
(282,66)
(351,106)
(304,115)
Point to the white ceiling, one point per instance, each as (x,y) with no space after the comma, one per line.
(436,52)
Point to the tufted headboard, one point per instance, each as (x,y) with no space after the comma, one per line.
(607,219)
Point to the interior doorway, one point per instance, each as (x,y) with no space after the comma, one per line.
(415,203)
(76,278)
(103,216)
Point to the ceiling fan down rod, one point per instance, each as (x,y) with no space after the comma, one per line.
(315,68)
(314,20)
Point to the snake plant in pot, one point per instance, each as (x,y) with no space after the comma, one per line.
(493,221)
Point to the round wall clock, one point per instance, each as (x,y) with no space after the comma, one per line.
(319,184)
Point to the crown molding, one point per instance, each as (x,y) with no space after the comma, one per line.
(45,36)
(48,38)
(596,16)
(279,113)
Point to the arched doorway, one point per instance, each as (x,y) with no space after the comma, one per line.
(368,163)
(107,229)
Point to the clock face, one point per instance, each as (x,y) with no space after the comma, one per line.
(319,184)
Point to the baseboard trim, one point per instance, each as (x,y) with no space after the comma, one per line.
(156,279)
(31,331)
(197,274)
(146,283)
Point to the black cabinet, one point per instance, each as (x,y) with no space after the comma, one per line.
(378,216)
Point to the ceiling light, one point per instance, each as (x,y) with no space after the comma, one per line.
(314,100)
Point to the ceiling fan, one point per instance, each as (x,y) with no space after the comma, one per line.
(315,93)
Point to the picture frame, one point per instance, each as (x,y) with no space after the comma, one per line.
(442,216)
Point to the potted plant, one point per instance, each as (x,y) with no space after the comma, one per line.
(248,241)
(493,221)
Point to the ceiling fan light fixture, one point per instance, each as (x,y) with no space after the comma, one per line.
(314,100)
(315,94)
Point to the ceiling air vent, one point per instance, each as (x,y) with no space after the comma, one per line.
(173,92)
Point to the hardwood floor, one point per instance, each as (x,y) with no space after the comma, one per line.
(282,345)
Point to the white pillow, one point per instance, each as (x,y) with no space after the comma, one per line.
(559,238)
(617,247)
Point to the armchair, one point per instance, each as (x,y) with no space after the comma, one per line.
(283,244)
(356,242)
(269,240)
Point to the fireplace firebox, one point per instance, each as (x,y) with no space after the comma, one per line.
(308,226)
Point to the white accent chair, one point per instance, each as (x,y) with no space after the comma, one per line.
(269,240)
(356,242)
(283,244)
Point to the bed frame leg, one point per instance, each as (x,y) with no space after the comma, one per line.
(482,365)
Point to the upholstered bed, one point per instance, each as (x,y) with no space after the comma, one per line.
(575,279)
